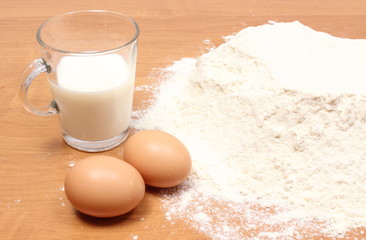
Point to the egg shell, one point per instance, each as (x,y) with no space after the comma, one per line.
(104,186)
(162,159)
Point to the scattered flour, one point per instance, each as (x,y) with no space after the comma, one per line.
(275,121)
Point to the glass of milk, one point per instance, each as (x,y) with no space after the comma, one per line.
(89,58)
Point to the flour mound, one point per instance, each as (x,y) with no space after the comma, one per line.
(275,121)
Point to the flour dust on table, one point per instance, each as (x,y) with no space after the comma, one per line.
(275,121)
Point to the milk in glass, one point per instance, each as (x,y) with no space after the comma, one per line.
(94,96)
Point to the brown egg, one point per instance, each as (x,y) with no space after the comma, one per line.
(162,160)
(104,186)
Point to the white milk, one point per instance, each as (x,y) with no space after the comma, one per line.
(94,95)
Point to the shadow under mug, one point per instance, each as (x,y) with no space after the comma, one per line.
(89,58)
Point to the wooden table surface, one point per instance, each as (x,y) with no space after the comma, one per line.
(33,157)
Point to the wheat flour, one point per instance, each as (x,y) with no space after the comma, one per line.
(275,121)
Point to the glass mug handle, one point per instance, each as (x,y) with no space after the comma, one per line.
(36,67)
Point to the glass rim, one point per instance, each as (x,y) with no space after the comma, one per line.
(45,45)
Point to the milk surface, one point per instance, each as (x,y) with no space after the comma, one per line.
(94,95)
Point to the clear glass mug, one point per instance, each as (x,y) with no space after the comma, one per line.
(90,61)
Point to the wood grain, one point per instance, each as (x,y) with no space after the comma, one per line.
(33,157)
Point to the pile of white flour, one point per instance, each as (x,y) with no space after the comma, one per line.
(275,121)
